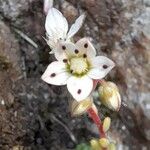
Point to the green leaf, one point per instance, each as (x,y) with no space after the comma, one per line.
(83,146)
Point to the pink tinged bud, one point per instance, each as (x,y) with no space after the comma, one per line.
(110,96)
(47,5)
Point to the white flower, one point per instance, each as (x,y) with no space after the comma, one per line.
(56,27)
(77,67)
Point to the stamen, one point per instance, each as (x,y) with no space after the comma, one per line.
(79,65)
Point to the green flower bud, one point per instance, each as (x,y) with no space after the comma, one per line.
(95,144)
(112,146)
(104,142)
(106,124)
(109,95)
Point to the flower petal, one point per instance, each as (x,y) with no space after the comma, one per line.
(59,54)
(101,66)
(87,47)
(47,5)
(56,24)
(56,74)
(71,49)
(80,87)
(76,26)
(66,50)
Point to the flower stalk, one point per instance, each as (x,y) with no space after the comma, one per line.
(78,67)
(96,119)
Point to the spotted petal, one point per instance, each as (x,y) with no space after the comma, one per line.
(66,50)
(56,74)
(101,66)
(56,24)
(87,47)
(80,87)
(59,53)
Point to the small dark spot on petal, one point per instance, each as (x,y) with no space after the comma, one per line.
(105,66)
(76,51)
(65,60)
(53,74)
(84,55)
(79,91)
(71,71)
(64,47)
(85,45)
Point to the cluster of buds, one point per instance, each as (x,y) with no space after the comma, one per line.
(103,143)
(78,67)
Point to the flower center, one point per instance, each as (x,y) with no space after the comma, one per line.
(78,65)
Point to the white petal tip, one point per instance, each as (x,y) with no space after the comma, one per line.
(47,5)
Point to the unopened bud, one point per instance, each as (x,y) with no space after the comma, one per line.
(79,108)
(109,95)
(95,144)
(106,124)
(104,142)
(111,146)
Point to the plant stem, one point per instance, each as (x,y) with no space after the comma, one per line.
(102,81)
(97,121)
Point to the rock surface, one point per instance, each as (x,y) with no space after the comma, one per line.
(34,115)
(10,63)
(14,8)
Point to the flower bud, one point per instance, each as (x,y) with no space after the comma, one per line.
(109,95)
(95,144)
(106,124)
(79,108)
(104,142)
(111,146)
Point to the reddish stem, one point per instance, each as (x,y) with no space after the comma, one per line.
(97,121)
(102,81)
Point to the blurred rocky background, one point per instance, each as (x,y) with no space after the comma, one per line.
(36,116)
